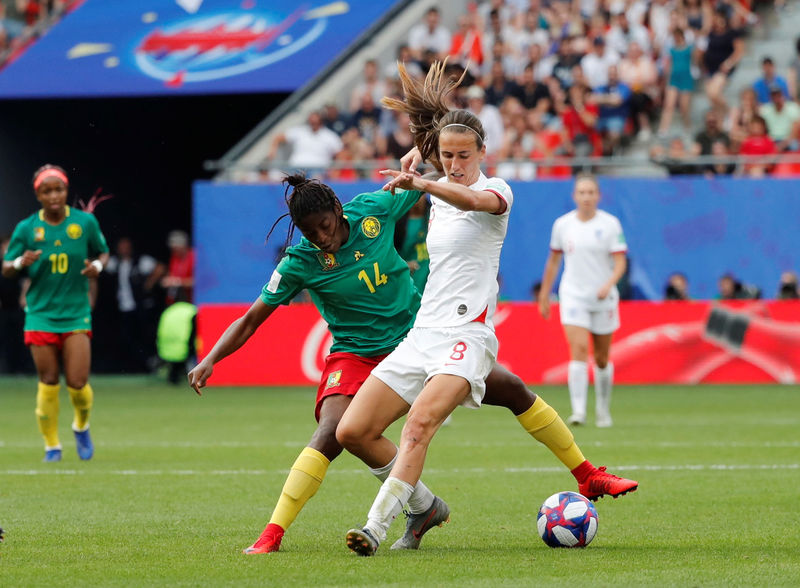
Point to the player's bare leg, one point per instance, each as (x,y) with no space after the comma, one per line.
(77,355)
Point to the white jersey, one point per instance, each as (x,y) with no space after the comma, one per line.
(464,249)
(588,262)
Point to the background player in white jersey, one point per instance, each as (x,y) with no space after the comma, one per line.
(452,347)
(593,246)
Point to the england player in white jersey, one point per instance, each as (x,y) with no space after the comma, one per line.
(593,247)
(444,359)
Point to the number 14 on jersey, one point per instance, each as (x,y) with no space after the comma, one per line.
(380,278)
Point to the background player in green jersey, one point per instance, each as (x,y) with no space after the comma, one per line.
(60,249)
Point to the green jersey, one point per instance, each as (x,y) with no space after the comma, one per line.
(363,291)
(58,298)
(414,248)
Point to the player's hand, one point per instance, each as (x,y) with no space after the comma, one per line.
(400,179)
(199,376)
(412,266)
(30,257)
(89,270)
(410,161)
(602,293)
(544,307)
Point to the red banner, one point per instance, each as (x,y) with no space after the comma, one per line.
(670,342)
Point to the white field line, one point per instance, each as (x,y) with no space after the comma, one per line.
(350,472)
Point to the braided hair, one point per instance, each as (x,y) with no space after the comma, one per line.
(425,104)
(307,196)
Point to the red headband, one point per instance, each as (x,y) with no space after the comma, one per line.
(49,173)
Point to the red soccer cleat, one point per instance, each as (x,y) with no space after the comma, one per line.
(269,541)
(599,483)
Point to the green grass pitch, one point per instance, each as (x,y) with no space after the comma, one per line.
(180,484)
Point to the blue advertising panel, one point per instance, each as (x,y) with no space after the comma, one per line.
(701,227)
(170,47)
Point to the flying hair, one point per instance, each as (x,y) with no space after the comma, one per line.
(425,104)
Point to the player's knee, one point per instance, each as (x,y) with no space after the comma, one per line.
(324,440)
(419,429)
(349,435)
(77,382)
(601,360)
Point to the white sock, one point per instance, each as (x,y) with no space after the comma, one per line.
(603,381)
(383,472)
(419,501)
(394,493)
(578,384)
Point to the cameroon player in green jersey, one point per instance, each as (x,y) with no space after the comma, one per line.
(363,289)
(60,249)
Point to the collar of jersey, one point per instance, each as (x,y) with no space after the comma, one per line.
(41,215)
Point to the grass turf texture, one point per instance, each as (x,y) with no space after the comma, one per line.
(180,484)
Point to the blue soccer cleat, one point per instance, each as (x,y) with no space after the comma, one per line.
(52,455)
(84,444)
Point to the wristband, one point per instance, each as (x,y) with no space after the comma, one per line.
(98,264)
(18,263)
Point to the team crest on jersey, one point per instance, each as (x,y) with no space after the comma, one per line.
(327,261)
(334,379)
(38,234)
(358,255)
(74,231)
(371,227)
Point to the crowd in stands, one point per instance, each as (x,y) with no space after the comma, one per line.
(21,21)
(563,79)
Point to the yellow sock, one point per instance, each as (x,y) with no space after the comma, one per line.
(304,479)
(543,422)
(82,399)
(47,413)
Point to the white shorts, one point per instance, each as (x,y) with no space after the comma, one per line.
(596,319)
(469,351)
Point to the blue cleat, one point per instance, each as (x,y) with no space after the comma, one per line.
(84,442)
(52,455)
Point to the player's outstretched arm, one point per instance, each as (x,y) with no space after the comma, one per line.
(236,335)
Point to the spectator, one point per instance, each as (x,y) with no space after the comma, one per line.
(613,100)
(763,85)
(366,118)
(354,148)
(400,141)
(407,58)
(175,341)
(756,143)
(782,118)
(724,50)
(676,158)
(741,115)
(793,76)
(595,64)
(133,279)
(333,119)
(466,45)
(579,118)
(712,131)
(566,60)
(499,86)
(677,287)
(788,288)
(313,146)
(533,94)
(490,119)
(732,289)
(680,83)
(179,281)
(517,165)
(719,148)
(698,16)
(623,33)
(370,85)
(638,71)
(542,64)
(430,35)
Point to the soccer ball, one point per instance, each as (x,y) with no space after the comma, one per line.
(567,519)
